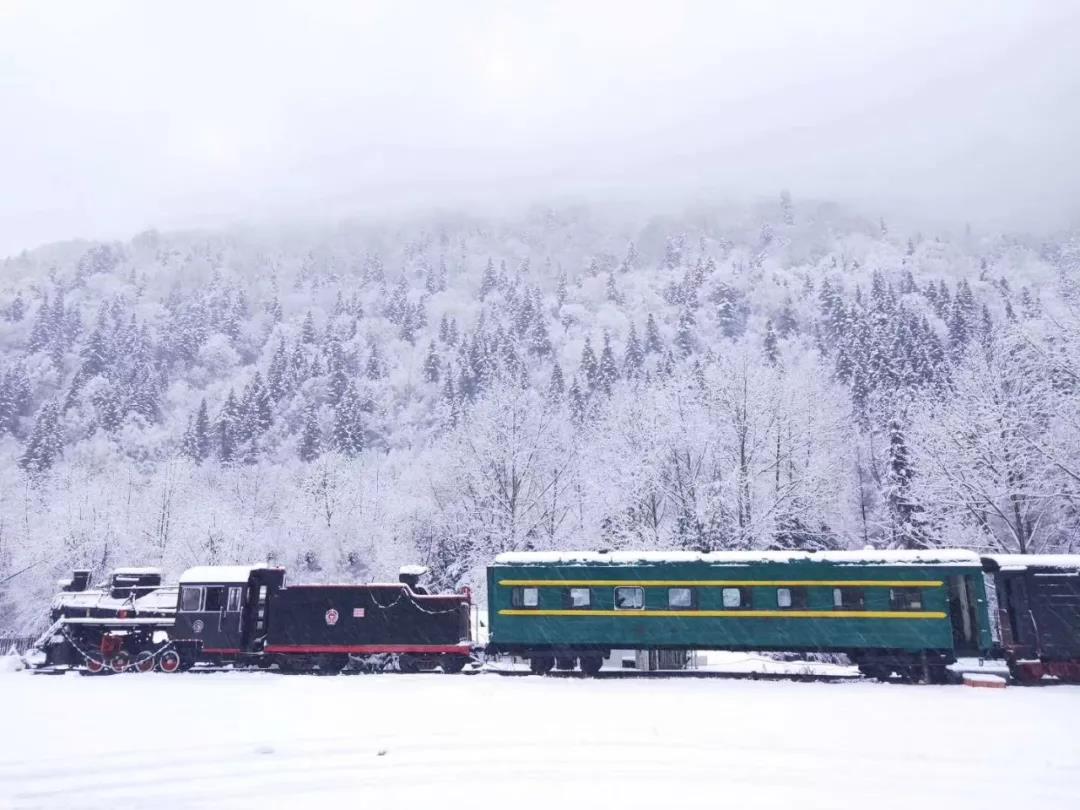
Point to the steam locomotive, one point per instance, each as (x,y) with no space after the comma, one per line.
(249,616)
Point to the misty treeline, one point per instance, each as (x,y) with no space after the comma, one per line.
(343,401)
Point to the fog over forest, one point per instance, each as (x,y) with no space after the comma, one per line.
(548,278)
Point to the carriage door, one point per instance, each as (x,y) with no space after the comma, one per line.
(962,614)
(221,618)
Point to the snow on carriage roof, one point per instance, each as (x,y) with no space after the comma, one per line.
(869,557)
(219,573)
(1021,561)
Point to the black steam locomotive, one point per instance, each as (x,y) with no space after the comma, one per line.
(249,616)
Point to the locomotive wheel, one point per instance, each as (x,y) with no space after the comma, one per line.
(144,662)
(565,662)
(408,663)
(541,664)
(590,664)
(452,664)
(169,661)
(94,665)
(120,662)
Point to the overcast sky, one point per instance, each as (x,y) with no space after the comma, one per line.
(120,116)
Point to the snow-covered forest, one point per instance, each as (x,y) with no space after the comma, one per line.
(345,400)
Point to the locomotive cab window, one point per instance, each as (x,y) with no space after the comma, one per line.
(684,598)
(234,600)
(525,597)
(190,598)
(791,598)
(736,598)
(849,599)
(215,599)
(905,599)
(578,597)
(629,598)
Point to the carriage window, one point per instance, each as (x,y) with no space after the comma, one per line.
(578,597)
(736,597)
(680,597)
(190,598)
(215,599)
(791,598)
(234,600)
(525,597)
(905,599)
(848,599)
(627,598)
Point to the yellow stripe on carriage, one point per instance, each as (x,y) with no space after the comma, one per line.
(734,614)
(719,583)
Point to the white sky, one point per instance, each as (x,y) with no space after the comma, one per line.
(118,116)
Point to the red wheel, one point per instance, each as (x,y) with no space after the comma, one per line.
(144,662)
(169,661)
(94,665)
(120,662)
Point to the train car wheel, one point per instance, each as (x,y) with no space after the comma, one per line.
(565,662)
(169,661)
(144,662)
(452,664)
(332,664)
(408,663)
(541,664)
(590,664)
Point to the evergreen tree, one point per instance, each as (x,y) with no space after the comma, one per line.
(612,290)
(684,337)
(556,386)
(226,429)
(653,342)
(348,431)
(635,355)
(540,339)
(607,372)
(432,364)
(488,282)
(787,211)
(278,382)
(588,366)
(772,348)
(196,444)
(46,443)
(307,331)
(310,447)
(41,332)
(17,310)
(909,527)
(561,289)
(576,402)
(337,372)
(375,368)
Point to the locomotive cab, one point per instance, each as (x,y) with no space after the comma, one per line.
(224,610)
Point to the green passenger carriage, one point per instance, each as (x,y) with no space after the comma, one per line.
(909,612)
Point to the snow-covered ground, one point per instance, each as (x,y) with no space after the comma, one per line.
(267,740)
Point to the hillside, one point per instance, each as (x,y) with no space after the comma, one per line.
(344,400)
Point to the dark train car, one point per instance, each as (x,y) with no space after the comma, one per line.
(1038,598)
(248,614)
(329,623)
